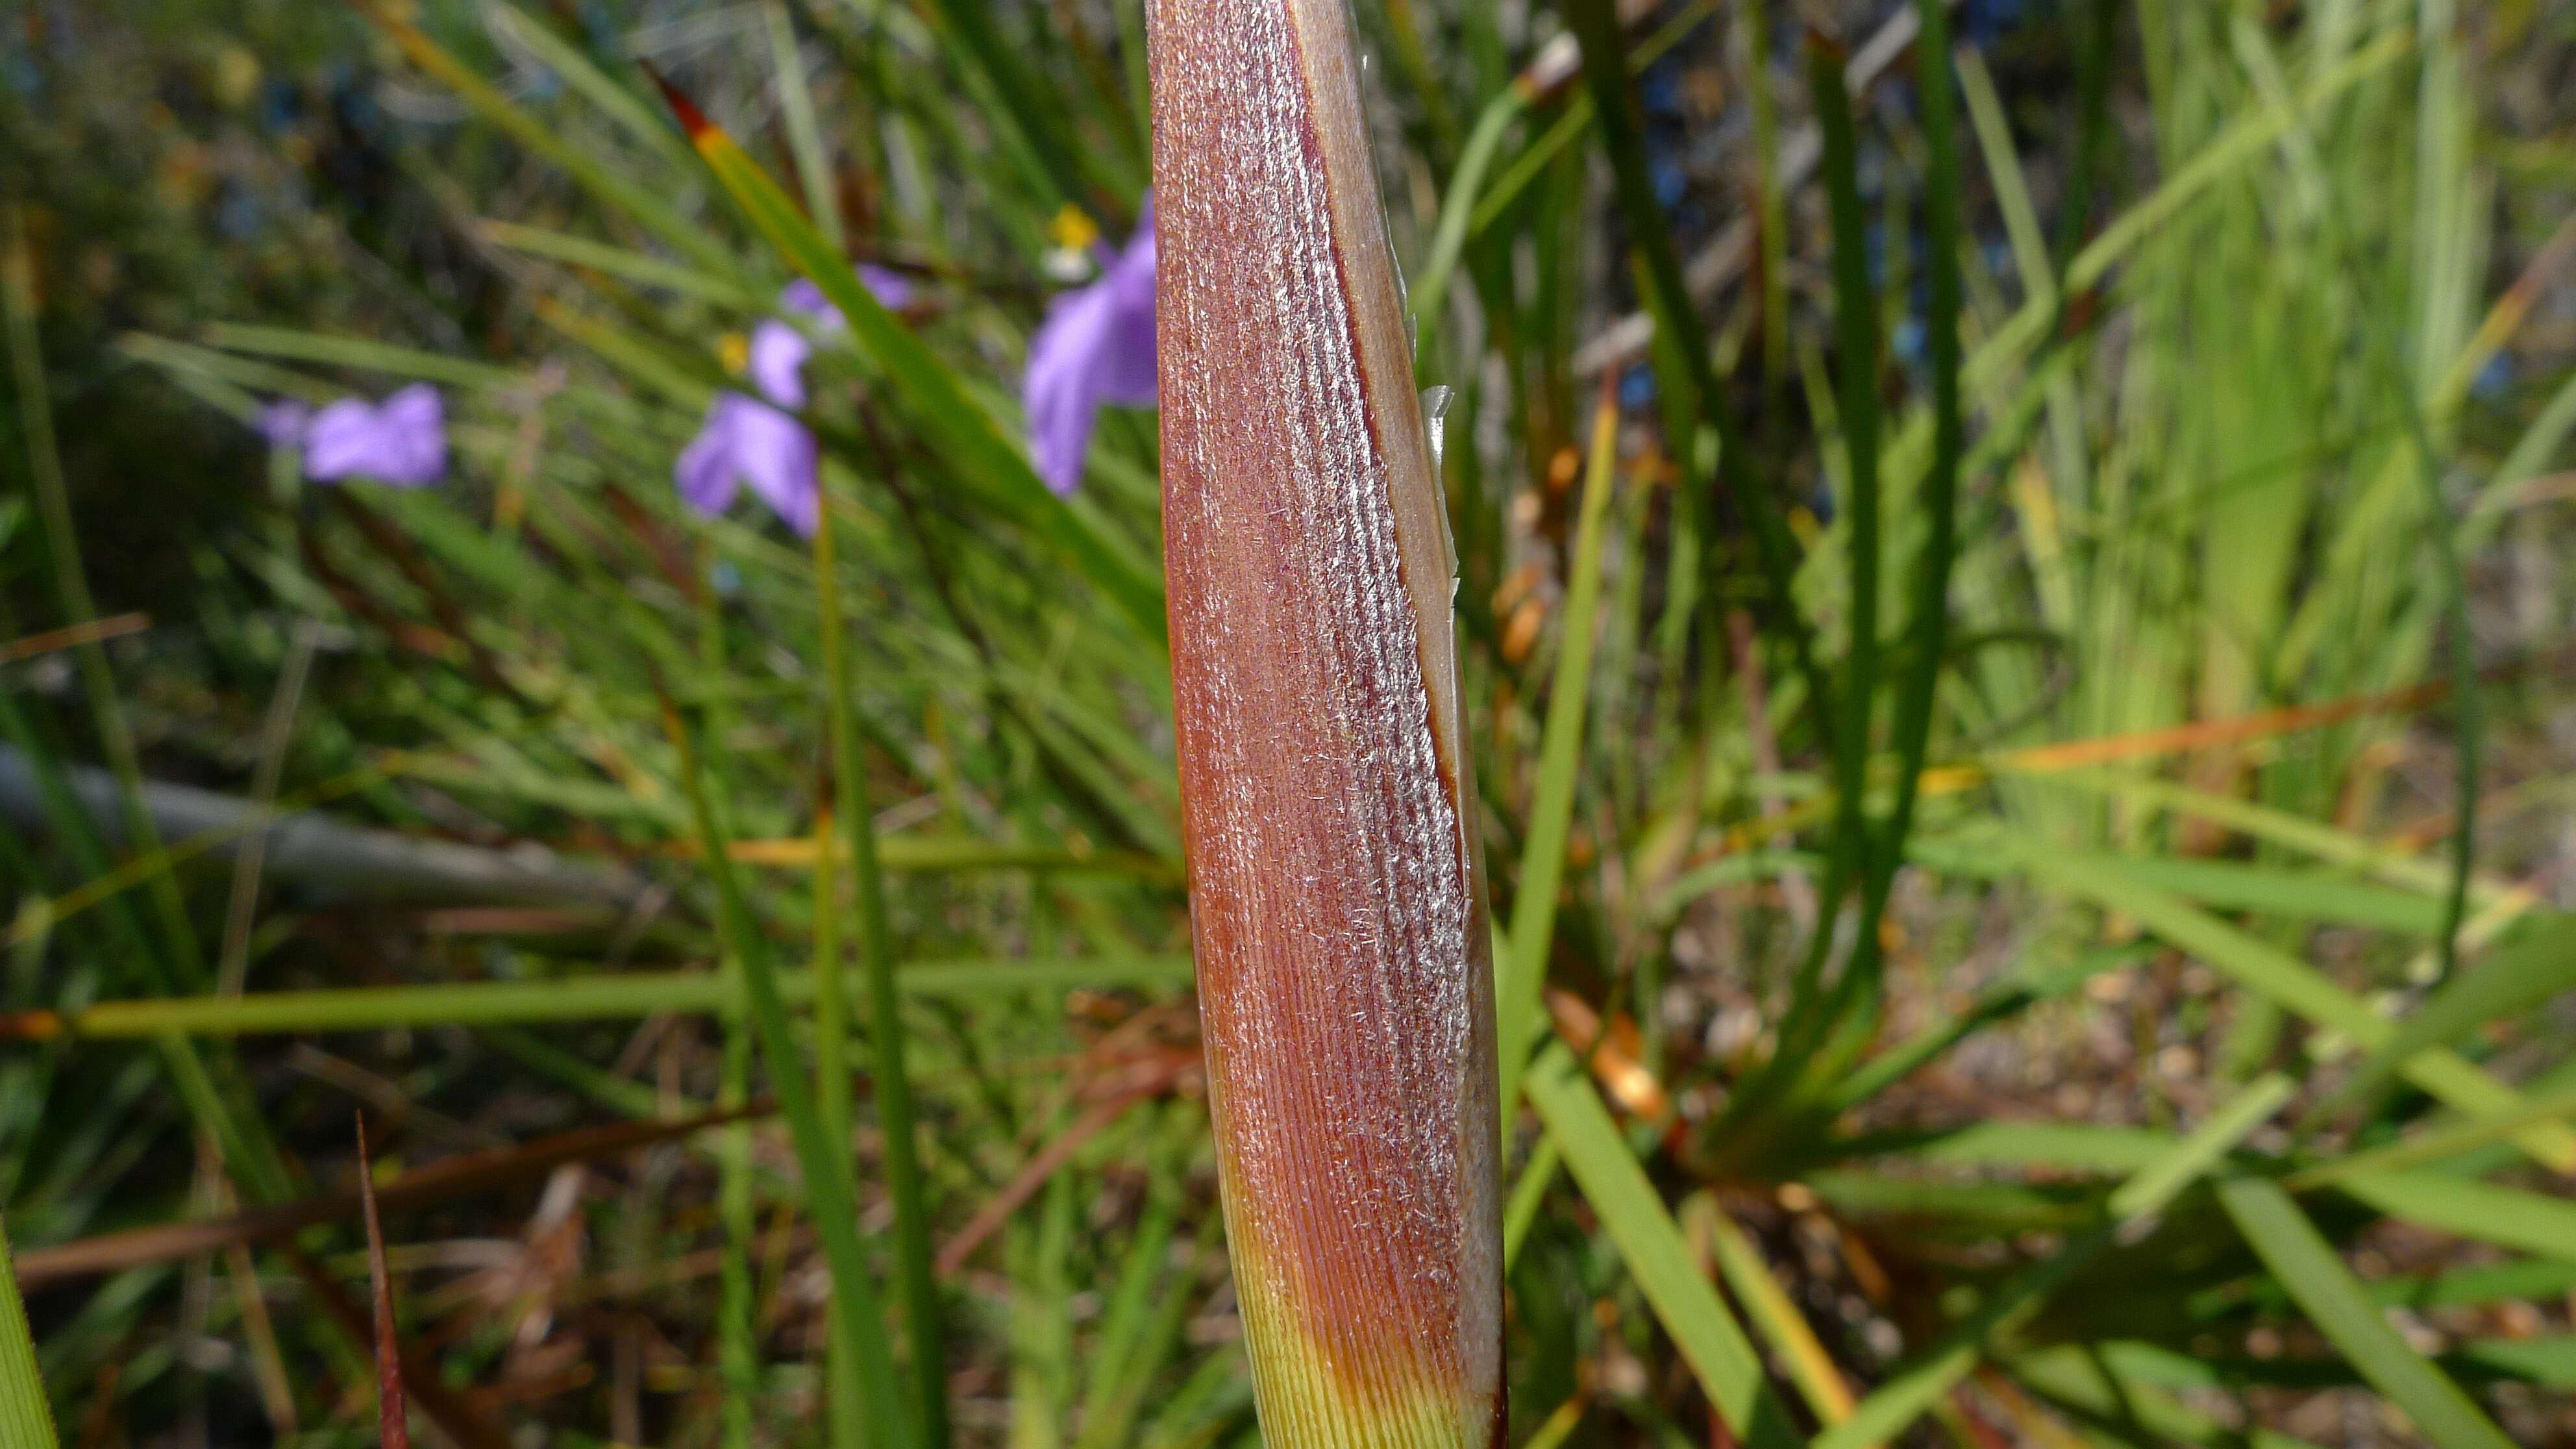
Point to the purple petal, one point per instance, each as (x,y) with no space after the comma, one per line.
(892,289)
(1062,388)
(415,420)
(806,300)
(705,473)
(1096,346)
(777,456)
(402,442)
(778,354)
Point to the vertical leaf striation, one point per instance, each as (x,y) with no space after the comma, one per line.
(1345,979)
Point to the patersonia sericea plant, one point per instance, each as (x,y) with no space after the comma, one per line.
(1337,909)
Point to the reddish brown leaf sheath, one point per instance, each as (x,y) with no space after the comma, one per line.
(1345,987)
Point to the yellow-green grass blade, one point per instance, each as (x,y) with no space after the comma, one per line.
(1430,289)
(621,262)
(2520,975)
(2306,1265)
(583,998)
(1684,1301)
(1768,1305)
(2439,1143)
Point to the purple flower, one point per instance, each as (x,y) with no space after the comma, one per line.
(1096,346)
(747,440)
(401,441)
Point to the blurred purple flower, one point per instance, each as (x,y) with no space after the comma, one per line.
(401,442)
(747,440)
(1096,346)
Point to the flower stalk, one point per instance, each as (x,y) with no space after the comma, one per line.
(1337,908)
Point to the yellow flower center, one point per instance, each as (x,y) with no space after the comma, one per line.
(1073,229)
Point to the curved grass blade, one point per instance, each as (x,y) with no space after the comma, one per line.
(2335,1302)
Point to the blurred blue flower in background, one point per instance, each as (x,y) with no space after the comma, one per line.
(401,441)
(1096,346)
(748,440)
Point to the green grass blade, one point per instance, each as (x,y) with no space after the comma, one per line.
(2440,1143)
(2159,1183)
(2097,1391)
(1429,291)
(582,998)
(26,1415)
(1928,623)
(830,1191)
(2520,975)
(914,1276)
(620,262)
(804,131)
(2467,1208)
(2335,1302)
(1569,702)
(1635,1219)
(2271,972)
(1915,1388)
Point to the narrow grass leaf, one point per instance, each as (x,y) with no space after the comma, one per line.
(2467,1208)
(1634,1217)
(26,1414)
(831,1194)
(1768,1306)
(2335,1302)
(2266,969)
(1569,704)
(2519,976)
